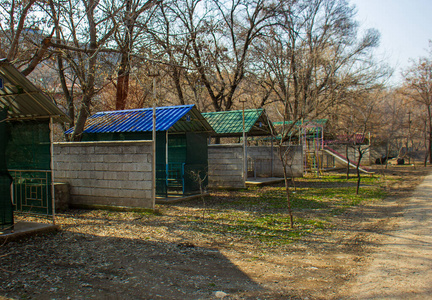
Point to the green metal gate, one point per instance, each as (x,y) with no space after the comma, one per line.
(28,157)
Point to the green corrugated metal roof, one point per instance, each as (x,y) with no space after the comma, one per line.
(230,123)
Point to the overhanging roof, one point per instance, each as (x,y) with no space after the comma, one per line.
(230,123)
(182,118)
(23,99)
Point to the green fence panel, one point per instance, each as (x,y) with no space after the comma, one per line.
(28,157)
(6,208)
(196,167)
(29,146)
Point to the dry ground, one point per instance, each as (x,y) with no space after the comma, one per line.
(114,255)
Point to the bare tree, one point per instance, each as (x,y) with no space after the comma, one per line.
(213,39)
(83,28)
(418,86)
(22,40)
(316,61)
(132,20)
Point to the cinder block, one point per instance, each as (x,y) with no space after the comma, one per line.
(98,175)
(109,175)
(96,158)
(129,167)
(123,176)
(75,150)
(137,176)
(144,167)
(115,167)
(100,166)
(129,149)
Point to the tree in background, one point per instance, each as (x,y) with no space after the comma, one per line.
(418,87)
(213,40)
(316,62)
(22,40)
(132,20)
(83,28)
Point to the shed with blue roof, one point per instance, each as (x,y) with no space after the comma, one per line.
(181,141)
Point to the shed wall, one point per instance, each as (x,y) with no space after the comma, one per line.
(106,173)
(263,157)
(225,166)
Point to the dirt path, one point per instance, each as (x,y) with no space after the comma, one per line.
(402,266)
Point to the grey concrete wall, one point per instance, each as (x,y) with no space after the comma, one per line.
(106,173)
(225,165)
(262,161)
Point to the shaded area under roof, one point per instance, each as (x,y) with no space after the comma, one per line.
(23,99)
(230,123)
(182,118)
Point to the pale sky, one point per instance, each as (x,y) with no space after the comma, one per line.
(405,27)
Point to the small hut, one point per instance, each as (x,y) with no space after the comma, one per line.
(181,142)
(26,118)
(232,164)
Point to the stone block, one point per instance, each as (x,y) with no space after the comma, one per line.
(62,196)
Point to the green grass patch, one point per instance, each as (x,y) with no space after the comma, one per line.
(261,214)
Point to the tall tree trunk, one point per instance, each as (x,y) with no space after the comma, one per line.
(83,113)
(122,89)
(360,152)
(287,190)
(89,84)
(177,83)
(430,134)
(347,158)
(124,68)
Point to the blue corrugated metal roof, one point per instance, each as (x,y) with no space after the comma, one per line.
(135,120)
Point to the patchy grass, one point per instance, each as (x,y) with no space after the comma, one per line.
(261,214)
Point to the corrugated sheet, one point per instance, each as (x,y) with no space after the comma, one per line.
(230,123)
(23,99)
(182,118)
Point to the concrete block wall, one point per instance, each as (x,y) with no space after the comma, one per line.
(225,166)
(263,158)
(106,173)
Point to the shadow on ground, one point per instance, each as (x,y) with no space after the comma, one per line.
(82,266)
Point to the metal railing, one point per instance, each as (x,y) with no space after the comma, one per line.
(32,191)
